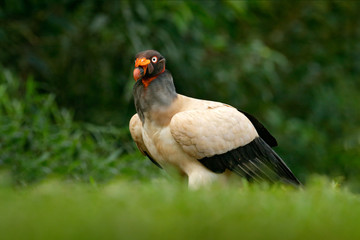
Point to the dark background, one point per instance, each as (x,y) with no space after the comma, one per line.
(66,79)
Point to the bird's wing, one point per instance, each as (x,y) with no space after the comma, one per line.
(262,131)
(135,127)
(207,132)
(223,138)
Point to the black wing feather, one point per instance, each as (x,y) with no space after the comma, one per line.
(255,161)
(262,131)
(153,161)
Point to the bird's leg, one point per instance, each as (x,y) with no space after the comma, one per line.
(199,178)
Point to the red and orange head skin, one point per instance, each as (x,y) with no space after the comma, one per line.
(148,65)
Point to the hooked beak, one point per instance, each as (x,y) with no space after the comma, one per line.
(141,65)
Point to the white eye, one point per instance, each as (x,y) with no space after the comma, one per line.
(154,59)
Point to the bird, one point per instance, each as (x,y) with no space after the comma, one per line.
(203,140)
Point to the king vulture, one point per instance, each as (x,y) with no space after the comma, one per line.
(203,140)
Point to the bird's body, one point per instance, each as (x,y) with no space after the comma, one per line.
(203,140)
(163,128)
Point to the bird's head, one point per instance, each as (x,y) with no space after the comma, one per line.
(148,64)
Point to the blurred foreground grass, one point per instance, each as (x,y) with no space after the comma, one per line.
(168,210)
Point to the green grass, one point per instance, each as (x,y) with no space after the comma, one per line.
(168,210)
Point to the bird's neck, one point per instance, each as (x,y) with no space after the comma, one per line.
(154,100)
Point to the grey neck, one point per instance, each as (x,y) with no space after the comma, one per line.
(159,94)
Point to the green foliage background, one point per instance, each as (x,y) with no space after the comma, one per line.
(65,80)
